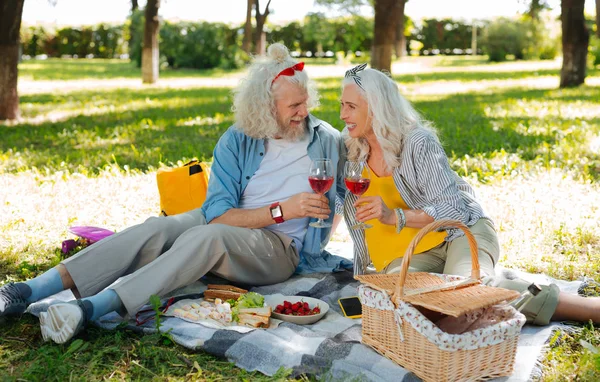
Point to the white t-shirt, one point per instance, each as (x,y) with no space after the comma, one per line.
(288,163)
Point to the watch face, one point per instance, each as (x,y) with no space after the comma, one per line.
(276,212)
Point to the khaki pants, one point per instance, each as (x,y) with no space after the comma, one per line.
(165,253)
(454,259)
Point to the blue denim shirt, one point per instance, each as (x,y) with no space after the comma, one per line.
(237,157)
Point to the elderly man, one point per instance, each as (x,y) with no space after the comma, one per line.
(253,227)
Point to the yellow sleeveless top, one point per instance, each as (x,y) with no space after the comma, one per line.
(383,242)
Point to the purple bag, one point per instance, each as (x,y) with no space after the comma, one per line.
(86,235)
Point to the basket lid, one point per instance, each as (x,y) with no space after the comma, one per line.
(432,292)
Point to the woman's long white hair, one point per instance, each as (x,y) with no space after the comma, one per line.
(393,117)
(254,100)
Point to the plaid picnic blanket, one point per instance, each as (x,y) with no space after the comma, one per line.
(330,348)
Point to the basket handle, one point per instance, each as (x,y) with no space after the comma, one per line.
(424,231)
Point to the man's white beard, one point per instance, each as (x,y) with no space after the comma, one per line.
(293,134)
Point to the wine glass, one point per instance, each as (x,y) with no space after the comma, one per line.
(320,177)
(357,177)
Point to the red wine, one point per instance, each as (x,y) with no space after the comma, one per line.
(357,186)
(320,184)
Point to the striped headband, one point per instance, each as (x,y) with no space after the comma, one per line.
(353,73)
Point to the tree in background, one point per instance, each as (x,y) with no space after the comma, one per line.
(11,13)
(575,41)
(261,19)
(400,27)
(535,7)
(150,52)
(247,42)
(354,33)
(134,7)
(598,18)
(387,14)
(317,32)
(292,35)
(444,35)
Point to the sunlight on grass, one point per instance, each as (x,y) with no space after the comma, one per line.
(541,228)
(545,109)
(573,356)
(207,121)
(76,69)
(40,207)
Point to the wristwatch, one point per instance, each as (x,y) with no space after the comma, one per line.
(276,213)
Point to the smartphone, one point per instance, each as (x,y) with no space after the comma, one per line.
(351,307)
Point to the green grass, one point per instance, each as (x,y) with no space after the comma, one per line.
(83,68)
(574,356)
(477,75)
(144,127)
(461,61)
(89,157)
(118,355)
(136,127)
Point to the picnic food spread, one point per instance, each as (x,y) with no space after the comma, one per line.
(224,292)
(228,305)
(299,308)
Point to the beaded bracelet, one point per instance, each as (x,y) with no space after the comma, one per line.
(400,219)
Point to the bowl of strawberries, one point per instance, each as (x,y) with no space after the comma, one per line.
(299,310)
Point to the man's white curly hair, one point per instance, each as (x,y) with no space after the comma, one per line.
(393,117)
(254,97)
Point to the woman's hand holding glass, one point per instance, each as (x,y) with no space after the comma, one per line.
(357,178)
(373,207)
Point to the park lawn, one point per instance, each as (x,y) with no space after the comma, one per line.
(90,156)
(77,69)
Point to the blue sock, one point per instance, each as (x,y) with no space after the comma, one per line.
(102,303)
(46,284)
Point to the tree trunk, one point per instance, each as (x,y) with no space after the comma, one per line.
(386,15)
(248,28)
(598,18)
(11,12)
(131,42)
(150,48)
(575,41)
(474,40)
(400,38)
(319,47)
(261,19)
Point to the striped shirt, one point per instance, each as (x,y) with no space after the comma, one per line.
(426,182)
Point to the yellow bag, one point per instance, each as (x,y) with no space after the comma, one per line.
(182,189)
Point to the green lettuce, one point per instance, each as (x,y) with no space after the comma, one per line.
(247,300)
(250,300)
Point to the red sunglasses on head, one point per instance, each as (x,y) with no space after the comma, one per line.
(289,71)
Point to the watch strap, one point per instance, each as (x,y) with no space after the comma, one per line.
(276,206)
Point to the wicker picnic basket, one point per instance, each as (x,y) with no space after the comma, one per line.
(394,327)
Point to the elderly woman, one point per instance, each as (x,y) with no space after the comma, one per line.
(413,185)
